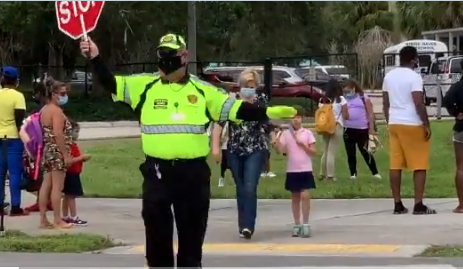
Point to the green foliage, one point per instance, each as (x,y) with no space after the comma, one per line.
(226,31)
(17,241)
(93,109)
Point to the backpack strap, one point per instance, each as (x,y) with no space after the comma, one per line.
(140,104)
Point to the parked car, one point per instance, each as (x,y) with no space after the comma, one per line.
(76,80)
(285,81)
(446,71)
(334,70)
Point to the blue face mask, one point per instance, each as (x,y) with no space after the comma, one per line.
(350,95)
(248,91)
(63,100)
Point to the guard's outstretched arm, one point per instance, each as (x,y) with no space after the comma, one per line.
(251,112)
(104,75)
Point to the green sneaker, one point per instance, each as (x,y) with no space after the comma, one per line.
(296,231)
(305,231)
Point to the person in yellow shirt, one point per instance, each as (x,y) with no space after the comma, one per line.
(12,112)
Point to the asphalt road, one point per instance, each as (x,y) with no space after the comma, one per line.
(101,261)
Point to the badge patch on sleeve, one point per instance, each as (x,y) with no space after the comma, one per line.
(160,103)
(193,99)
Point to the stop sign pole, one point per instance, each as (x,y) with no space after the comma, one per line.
(77,18)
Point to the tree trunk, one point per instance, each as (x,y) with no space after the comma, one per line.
(396,33)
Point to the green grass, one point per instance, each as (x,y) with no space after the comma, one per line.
(443,251)
(113,172)
(16,241)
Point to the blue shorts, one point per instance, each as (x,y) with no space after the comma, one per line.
(73,185)
(299,181)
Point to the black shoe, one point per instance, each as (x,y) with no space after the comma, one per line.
(247,234)
(421,209)
(400,209)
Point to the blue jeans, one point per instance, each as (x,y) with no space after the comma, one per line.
(246,173)
(15,150)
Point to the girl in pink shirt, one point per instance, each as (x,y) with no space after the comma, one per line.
(299,145)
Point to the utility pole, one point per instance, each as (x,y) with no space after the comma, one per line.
(192,37)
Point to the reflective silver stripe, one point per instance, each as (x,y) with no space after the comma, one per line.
(226,107)
(126,92)
(173,129)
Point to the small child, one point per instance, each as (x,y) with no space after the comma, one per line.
(299,145)
(72,183)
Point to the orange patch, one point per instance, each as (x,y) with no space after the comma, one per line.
(192,99)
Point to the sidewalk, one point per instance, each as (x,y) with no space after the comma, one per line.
(339,227)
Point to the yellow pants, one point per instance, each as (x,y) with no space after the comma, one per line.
(408,147)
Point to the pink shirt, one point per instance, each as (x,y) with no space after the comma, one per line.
(298,160)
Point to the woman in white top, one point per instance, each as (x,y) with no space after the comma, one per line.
(333,95)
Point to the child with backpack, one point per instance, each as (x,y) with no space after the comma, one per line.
(299,145)
(329,122)
(30,133)
(72,183)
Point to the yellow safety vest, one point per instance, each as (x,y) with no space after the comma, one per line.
(173,116)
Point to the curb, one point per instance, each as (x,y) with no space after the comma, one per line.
(108,124)
(108,138)
(244,249)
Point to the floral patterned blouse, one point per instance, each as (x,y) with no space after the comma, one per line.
(248,137)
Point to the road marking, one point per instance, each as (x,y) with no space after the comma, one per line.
(316,248)
(415,266)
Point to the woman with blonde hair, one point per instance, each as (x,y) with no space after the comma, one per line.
(247,147)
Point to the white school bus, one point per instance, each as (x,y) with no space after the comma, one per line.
(428,51)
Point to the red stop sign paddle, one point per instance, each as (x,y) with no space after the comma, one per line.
(77,18)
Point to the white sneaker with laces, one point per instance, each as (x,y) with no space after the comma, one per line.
(263,175)
(353,176)
(221,182)
(271,174)
(378,176)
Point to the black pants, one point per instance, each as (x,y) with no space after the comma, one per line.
(359,138)
(223,163)
(185,185)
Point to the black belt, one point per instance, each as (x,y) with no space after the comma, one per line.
(174,161)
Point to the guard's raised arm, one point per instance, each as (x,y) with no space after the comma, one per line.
(89,49)
(127,89)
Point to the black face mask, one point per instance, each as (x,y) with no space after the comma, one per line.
(169,65)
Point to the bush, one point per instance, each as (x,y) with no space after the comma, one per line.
(92,109)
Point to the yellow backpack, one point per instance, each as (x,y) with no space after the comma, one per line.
(325,122)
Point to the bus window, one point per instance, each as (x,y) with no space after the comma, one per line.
(390,60)
(424,60)
(438,67)
(455,67)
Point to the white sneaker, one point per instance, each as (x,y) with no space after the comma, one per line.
(263,175)
(221,182)
(353,176)
(271,174)
(378,176)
